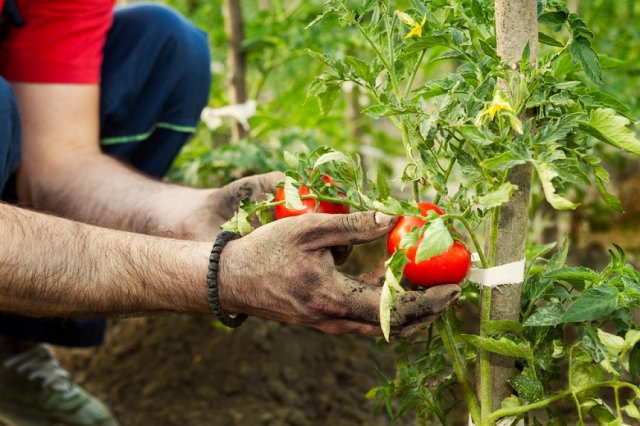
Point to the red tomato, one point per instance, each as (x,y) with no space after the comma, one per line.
(450,267)
(310,205)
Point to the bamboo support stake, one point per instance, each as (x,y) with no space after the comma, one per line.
(516,25)
(236,60)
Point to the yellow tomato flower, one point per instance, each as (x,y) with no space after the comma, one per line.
(498,104)
(416,28)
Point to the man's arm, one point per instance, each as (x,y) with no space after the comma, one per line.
(51,266)
(283,271)
(64,171)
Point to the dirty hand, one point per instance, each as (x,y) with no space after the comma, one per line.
(220,204)
(285,271)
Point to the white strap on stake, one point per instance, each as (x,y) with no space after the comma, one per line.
(509,273)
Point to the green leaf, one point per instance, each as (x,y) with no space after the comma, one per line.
(436,239)
(505,161)
(291,160)
(591,342)
(502,346)
(383,186)
(631,410)
(573,273)
(546,174)
(615,344)
(613,201)
(594,303)
(529,389)
(332,156)
(548,40)
(239,223)
(291,195)
(390,290)
(581,51)
(476,134)
(611,128)
(548,315)
(498,196)
(553,18)
(501,326)
(379,111)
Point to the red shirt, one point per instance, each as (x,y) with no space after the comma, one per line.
(61,41)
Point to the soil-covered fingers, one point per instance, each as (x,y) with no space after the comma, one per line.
(354,307)
(416,309)
(319,231)
(253,187)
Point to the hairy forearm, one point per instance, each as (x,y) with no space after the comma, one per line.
(55,267)
(97,189)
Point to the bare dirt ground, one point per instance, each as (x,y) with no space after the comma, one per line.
(179,370)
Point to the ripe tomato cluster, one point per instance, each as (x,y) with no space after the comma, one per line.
(449,267)
(283,211)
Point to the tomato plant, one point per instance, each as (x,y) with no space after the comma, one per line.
(309,205)
(448,267)
(464,133)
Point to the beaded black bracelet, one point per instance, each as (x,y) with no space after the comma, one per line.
(212,281)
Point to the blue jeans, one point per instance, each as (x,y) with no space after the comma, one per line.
(155,83)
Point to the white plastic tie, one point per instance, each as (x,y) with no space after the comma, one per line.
(509,273)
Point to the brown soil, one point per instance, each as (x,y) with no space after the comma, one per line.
(180,370)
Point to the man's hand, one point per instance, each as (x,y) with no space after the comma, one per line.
(285,271)
(204,222)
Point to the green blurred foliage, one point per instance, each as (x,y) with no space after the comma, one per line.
(280,73)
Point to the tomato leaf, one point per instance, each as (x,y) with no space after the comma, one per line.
(594,303)
(548,315)
(291,195)
(606,125)
(548,40)
(498,196)
(529,389)
(333,156)
(573,274)
(390,290)
(502,346)
(631,410)
(239,223)
(436,239)
(581,51)
(547,174)
(504,161)
(614,344)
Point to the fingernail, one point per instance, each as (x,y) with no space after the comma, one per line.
(383,220)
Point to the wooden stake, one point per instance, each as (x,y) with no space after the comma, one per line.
(516,25)
(236,61)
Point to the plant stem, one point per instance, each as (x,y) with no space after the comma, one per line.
(412,77)
(616,394)
(486,378)
(474,238)
(335,200)
(436,200)
(415,186)
(506,412)
(459,367)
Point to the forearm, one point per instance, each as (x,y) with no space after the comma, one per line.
(55,267)
(94,188)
